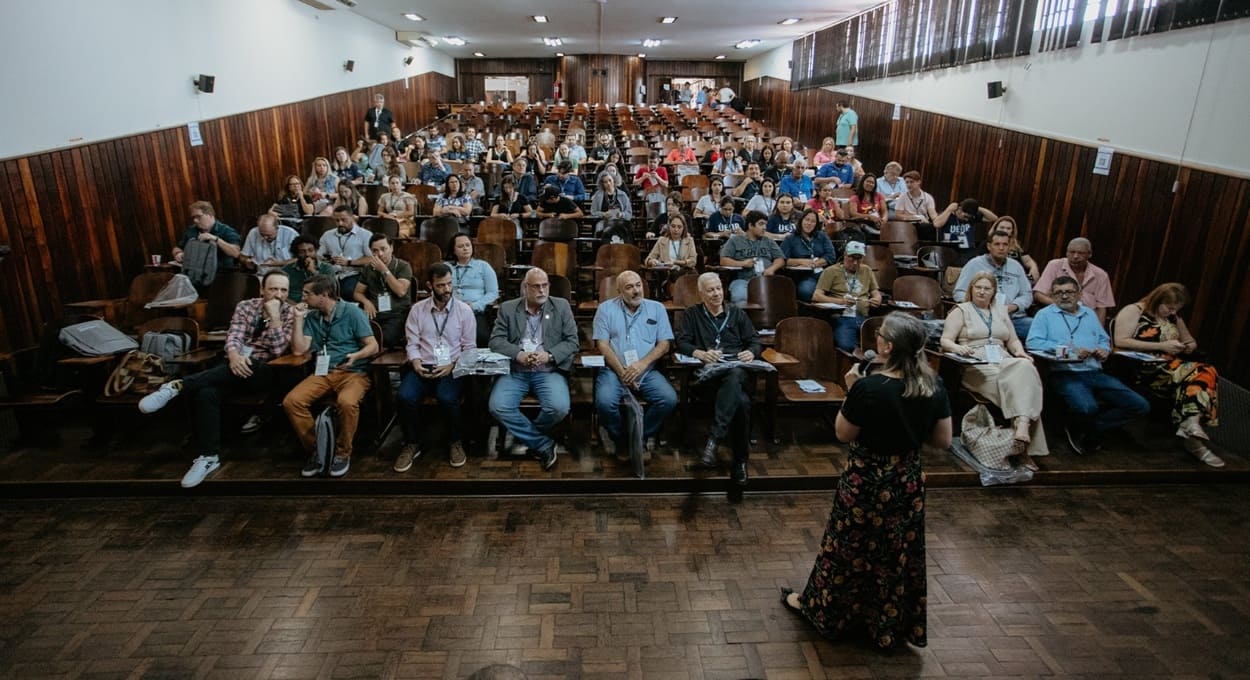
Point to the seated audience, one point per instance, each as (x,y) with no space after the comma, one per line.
(713,153)
(1153,325)
(499,156)
(569,184)
(838,173)
(456,150)
(749,186)
(260,330)
(376,164)
(632,334)
(1016,252)
(826,153)
(321,182)
(826,208)
(753,253)
(710,202)
(473,145)
(785,218)
(867,205)
(765,201)
(724,222)
(957,227)
(892,186)
(1095,283)
(205,227)
(808,247)
(728,165)
(305,266)
(454,202)
(916,204)
(853,285)
(856,167)
(610,203)
(347,194)
(384,289)
(526,183)
(1013,290)
(604,149)
(1095,402)
(713,331)
(797,183)
(342,340)
(672,206)
(473,186)
(676,247)
(539,334)
(979,328)
(292,205)
(346,247)
(535,159)
(434,172)
(344,168)
(681,154)
(750,152)
(577,152)
(474,282)
(438,330)
(513,204)
(388,167)
(652,179)
(399,205)
(552,204)
(564,155)
(268,246)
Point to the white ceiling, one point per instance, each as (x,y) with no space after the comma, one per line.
(704,29)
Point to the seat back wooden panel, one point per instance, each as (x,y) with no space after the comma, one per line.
(923,291)
(502,232)
(555,258)
(226,291)
(810,340)
(777,298)
(419,254)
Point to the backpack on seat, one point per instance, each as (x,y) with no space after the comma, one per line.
(324,426)
(199,261)
(167,345)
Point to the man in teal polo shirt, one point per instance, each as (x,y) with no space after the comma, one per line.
(341,341)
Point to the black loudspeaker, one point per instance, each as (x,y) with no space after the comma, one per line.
(407,61)
(349,65)
(995,89)
(205,83)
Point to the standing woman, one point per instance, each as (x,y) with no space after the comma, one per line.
(474,281)
(399,205)
(869,575)
(1152,325)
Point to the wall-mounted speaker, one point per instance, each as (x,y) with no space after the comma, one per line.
(408,61)
(205,83)
(349,65)
(995,89)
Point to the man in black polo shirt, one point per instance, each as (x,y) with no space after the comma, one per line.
(378,119)
(384,290)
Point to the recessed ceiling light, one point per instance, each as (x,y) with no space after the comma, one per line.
(720,56)
(651,42)
(553,41)
(559,54)
(454,40)
(667,20)
(790,21)
(642,55)
(414,17)
(746,44)
(478,54)
(539,19)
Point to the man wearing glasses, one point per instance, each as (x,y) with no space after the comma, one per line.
(1071,333)
(539,334)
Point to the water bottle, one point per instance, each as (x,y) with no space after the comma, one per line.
(368,175)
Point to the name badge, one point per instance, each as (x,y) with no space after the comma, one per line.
(246,352)
(1000,299)
(384,302)
(631,356)
(851,309)
(528,345)
(442,354)
(994,353)
(759,265)
(323,365)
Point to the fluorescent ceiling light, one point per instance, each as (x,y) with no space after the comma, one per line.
(651,42)
(667,20)
(720,56)
(553,41)
(539,19)
(414,17)
(642,55)
(746,44)
(454,40)
(559,54)
(478,54)
(789,22)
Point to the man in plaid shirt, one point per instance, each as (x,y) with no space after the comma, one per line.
(260,331)
(472,145)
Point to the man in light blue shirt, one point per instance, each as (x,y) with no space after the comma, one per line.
(632,333)
(1096,402)
(797,183)
(570,185)
(1014,290)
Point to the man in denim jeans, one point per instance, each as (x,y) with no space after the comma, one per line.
(539,334)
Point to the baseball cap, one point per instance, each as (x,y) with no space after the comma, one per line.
(855,248)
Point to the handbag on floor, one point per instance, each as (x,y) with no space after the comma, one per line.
(138,373)
(325,426)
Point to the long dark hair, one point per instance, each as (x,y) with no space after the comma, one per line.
(907,335)
(859,188)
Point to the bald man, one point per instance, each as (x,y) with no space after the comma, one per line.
(1094,282)
(632,333)
(539,334)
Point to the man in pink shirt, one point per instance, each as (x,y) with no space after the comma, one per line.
(1095,283)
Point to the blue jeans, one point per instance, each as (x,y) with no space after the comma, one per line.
(1022,325)
(805,287)
(738,291)
(1098,400)
(415,388)
(660,396)
(552,391)
(846,332)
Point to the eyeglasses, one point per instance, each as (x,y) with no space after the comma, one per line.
(1063,293)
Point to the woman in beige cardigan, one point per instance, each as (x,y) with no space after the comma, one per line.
(676,248)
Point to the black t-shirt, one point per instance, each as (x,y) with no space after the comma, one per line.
(563,206)
(521,206)
(379,122)
(888,423)
(959,233)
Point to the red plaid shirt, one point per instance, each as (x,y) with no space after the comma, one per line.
(248,328)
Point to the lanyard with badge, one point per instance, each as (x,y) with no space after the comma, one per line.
(459,271)
(323,357)
(442,351)
(719,329)
(343,243)
(1000,277)
(631,354)
(384,298)
(1072,329)
(853,289)
(532,325)
(993,351)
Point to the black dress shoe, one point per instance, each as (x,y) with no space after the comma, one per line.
(708,459)
(739,474)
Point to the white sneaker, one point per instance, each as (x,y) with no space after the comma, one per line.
(200,470)
(252,424)
(157,400)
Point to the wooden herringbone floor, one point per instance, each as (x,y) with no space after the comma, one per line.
(1033,582)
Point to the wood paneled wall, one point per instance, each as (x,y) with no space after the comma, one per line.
(582,78)
(1144,232)
(471,76)
(659,72)
(608,78)
(83,221)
